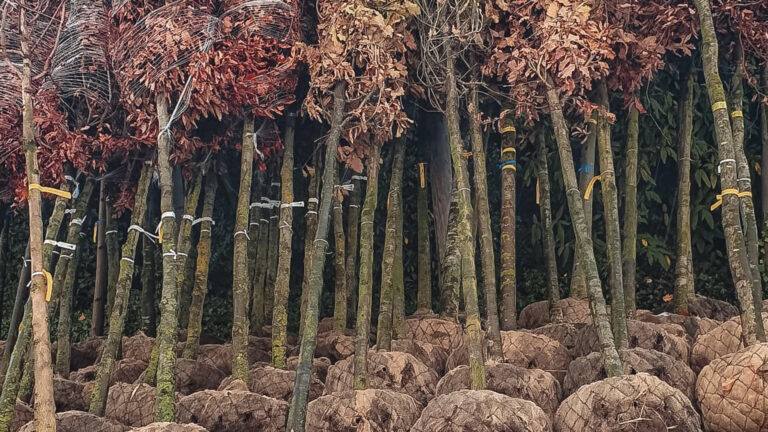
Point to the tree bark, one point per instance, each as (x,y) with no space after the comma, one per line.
(424,297)
(167,329)
(384,324)
(738,257)
(272,256)
(298,408)
(764,162)
(487,257)
(353,239)
(451,265)
(611,360)
(148,283)
(18,312)
(283,279)
(611,210)
(311,229)
(113,256)
(684,288)
(240,277)
(466,240)
(508,270)
(100,289)
(339,258)
(586,173)
(548,235)
(201,272)
(260,274)
(184,241)
(629,244)
(398,281)
(13,377)
(98,399)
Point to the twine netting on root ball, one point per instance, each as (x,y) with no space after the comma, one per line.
(372,410)
(78,421)
(723,339)
(232,411)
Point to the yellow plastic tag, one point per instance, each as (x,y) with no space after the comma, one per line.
(507,129)
(719,105)
(737,114)
(49,285)
(719,202)
(590,186)
(538,193)
(53,191)
(422,175)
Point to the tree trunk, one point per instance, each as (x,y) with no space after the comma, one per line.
(44,404)
(98,400)
(744,182)
(398,282)
(629,253)
(148,283)
(272,256)
(254,217)
(586,173)
(260,274)
(201,272)
(240,277)
(384,325)
(611,209)
(508,270)
(684,289)
(167,329)
(424,297)
(451,266)
(100,289)
(611,360)
(283,279)
(18,311)
(764,162)
(548,235)
(353,239)
(184,240)
(12,379)
(298,407)
(113,256)
(738,256)
(63,279)
(487,257)
(339,258)
(309,236)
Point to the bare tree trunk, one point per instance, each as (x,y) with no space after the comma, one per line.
(508,270)
(98,399)
(13,376)
(451,266)
(283,280)
(195,321)
(398,282)
(353,240)
(384,326)
(311,221)
(487,257)
(424,297)
(764,162)
(629,244)
(611,360)
(466,239)
(365,282)
(548,236)
(148,283)
(611,209)
(113,256)
(738,257)
(166,330)
(586,173)
(44,404)
(184,241)
(100,289)
(18,311)
(339,261)
(298,407)
(272,255)
(744,180)
(684,263)
(240,277)
(260,275)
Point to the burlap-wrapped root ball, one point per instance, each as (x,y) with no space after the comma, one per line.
(641,335)
(534,385)
(588,369)
(733,391)
(440,332)
(278,383)
(68,395)
(138,346)
(565,333)
(481,411)
(86,352)
(535,351)
(537,314)
(396,371)
(431,355)
(335,346)
(706,307)
(170,427)
(691,326)
(232,411)
(627,403)
(723,339)
(131,404)
(373,410)
(79,421)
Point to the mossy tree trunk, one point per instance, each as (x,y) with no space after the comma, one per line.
(272,254)
(353,239)
(260,275)
(508,272)
(184,238)
(424,297)
(365,280)
(451,267)
(98,399)
(283,280)
(384,325)
(298,407)
(66,267)
(487,257)
(13,378)
(684,288)
(339,262)
(611,360)
(148,283)
(309,236)
(17,313)
(744,181)
(611,210)
(113,256)
(240,277)
(100,288)
(738,256)
(629,243)
(466,240)
(398,281)
(548,235)
(167,329)
(764,161)
(195,321)
(586,173)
